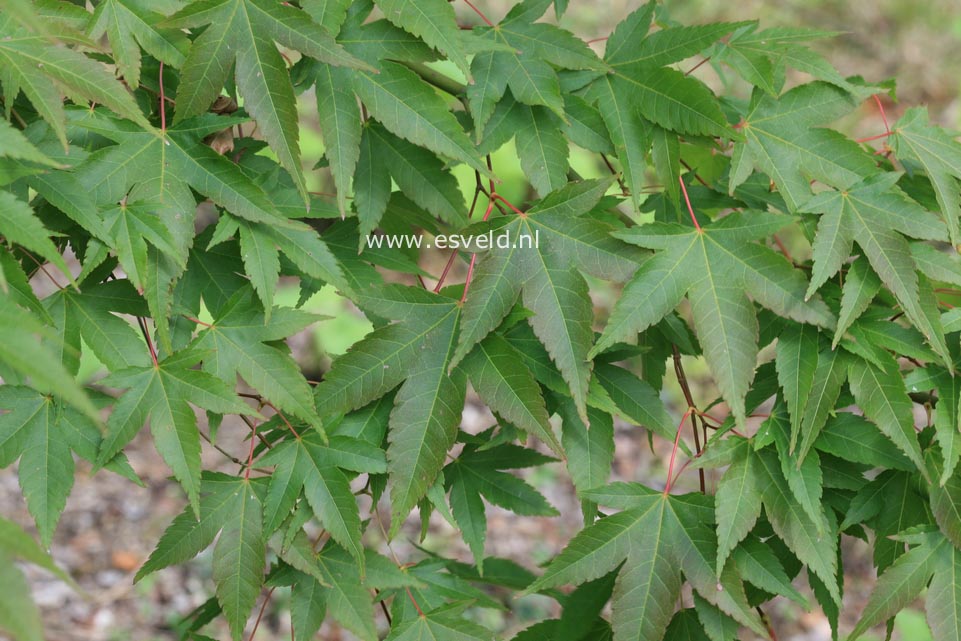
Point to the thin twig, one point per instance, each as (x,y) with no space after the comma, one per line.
(260,615)
(690,209)
(480,13)
(697,66)
(146,335)
(677,442)
(692,408)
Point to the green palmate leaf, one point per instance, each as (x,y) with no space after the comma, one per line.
(179,243)
(238,341)
(412,110)
(339,121)
(340,593)
(61,70)
(431,20)
(238,563)
(714,267)
(881,394)
(902,583)
(527,66)
(34,429)
(544,278)
(172,165)
(938,154)
(161,393)
(782,139)
(762,56)
(663,95)
(440,626)
(24,355)
(649,581)
(479,474)
(423,424)
(187,535)
(129,29)
(737,504)
(876,214)
(509,390)
(306,463)
(243,35)
(260,248)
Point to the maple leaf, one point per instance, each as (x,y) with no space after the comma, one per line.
(423,424)
(914,140)
(478,475)
(650,577)
(875,214)
(308,463)
(43,434)
(44,71)
(642,89)
(161,392)
(242,35)
(528,67)
(239,342)
(231,507)
(782,139)
(129,28)
(715,266)
(545,279)
(762,57)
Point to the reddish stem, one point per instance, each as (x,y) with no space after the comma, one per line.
(260,615)
(146,336)
(420,612)
(690,209)
(878,137)
(884,117)
(497,196)
(443,276)
(473,258)
(196,320)
(265,403)
(780,246)
(677,442)
(480,13)
(250,454)
(697,66)
(42,268)
(592,41)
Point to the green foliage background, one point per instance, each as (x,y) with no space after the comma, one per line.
(809,275)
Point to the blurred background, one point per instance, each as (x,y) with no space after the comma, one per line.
(110,525)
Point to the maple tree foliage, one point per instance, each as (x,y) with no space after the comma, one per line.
(123,117)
